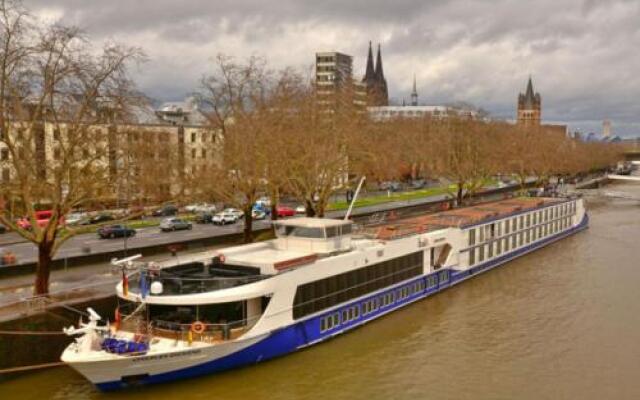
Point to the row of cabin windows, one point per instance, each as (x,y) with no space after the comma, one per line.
(511,225)
(371,305)
(328,292)
(502,245)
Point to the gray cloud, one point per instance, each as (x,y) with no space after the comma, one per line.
(582,54)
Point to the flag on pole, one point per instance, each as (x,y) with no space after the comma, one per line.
(125,284)
(117,318)
(143,284)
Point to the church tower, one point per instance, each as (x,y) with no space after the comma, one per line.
(377,92)
(414,93)
(529,107)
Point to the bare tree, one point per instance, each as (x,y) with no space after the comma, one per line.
(56,100)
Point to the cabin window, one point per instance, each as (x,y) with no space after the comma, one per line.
(515,224)
(514,241)
(492,230)
(481,255)
(499,229)
(528,220)
(472,237)
(490,250)
(346,229)
(324,293)
(505,242)
(481,231)
(506,227)
(444,276)
(472,256)
(528,240)
(498,247)
(300,231)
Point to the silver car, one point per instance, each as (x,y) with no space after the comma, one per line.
(174,224)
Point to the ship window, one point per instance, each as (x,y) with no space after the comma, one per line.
(472,237)
(506,244)
(515,224)
(514,241)
(345,315)
(300,231)
(324,293)
(490,252)
(498,247)
(528,220)
(506,227)
(481,231)
(481,255)
(444,276)
(472,256)
(528,239)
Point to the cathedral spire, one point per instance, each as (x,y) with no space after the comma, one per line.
(379,72)
(370,73)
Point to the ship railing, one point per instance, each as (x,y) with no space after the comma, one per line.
(177,285)
(198,332)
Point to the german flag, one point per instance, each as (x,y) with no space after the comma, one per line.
(125,284)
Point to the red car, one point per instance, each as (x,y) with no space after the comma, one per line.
(42,218)
(283,211)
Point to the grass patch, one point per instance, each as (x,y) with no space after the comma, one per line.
(397,196)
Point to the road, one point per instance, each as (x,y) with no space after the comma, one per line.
(26,252)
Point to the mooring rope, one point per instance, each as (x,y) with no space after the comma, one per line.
(30,367)
(32,332)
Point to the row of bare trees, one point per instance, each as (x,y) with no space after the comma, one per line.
(278,138)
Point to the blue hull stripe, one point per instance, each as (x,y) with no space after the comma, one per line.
(307,332)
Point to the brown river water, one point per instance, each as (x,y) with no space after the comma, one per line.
(560,323)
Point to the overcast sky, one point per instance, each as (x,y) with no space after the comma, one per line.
(583,55)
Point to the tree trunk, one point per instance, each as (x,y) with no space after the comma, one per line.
(274,210)
(311,212)
(248,225)
(43,269)
(460,194)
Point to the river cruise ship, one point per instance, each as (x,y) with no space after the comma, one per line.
(317,279)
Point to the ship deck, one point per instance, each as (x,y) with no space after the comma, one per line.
(456,218)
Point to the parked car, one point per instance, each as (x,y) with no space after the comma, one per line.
(115,231)
(284,211)
(204,218)
(42,219)
(391,186)
(3,229)
(174,224)
(223,218)
(264,202)
(301,209)
(200,208)
(238,213)
(98,219)
(75,218)
(168,210)
(258,215)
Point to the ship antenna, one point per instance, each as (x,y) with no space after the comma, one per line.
(355,196)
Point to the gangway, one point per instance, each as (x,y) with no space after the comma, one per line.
(624,178)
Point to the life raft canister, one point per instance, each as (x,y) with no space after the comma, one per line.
(197,327)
